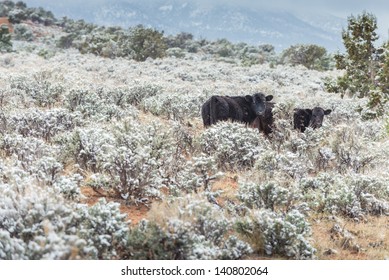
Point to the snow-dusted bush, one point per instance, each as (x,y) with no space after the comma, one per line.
(272,164)
(22,32)
(137,158)
(130,95)
(43,89)
(42,124)
(69,186)
(175,52)
(278,234)
(46,170)
(137,93)
(193,175)
(104,229)
(87,147)
(26,149)
(270,195)
(36,223)
(353,151)
(232,144)
(5,39)
(136,163)
(197,230)
(102,104)
(175,105)
(353,196)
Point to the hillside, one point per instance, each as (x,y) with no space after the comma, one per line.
(107,158)
(253,25)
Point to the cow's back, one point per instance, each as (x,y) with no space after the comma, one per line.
(248,115)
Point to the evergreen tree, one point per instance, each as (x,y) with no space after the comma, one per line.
(366,67)
(360,61)
(5,39)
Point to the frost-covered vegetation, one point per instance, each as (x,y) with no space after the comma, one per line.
(73,122)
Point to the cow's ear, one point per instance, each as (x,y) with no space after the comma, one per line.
(248,98)
(309,111)
(269,97)
(327,112)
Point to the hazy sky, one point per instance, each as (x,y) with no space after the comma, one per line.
(341,8)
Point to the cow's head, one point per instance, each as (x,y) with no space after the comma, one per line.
(258,102)
(317,117)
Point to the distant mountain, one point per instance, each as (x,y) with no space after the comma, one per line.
(280,28)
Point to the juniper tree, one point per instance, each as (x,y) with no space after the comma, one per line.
(360,60)
(5,39)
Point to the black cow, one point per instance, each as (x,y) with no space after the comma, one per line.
(304,118)
(264,122)
(236,108)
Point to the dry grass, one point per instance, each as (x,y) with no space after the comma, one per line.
(228,185)
(134,213)
(161,211)
(367,240)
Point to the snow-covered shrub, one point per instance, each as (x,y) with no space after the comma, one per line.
(6,97)
(136,162)
(138,93)
(282,124)
(175,52)
(270,195)
(131,95)
(352,196)
(104,229)
(36,223)
(43,89)
(46,170)
(42,124)
(184,138)
(88,147)
(278,234)
(137,158)
(22,32)
(175,105)
(373,194)
(353,152)
(232,144)
(271,164)
(193,175)
(69,186)
(197,230)
(26,211)
(101,104)
(26,149)
(309,141)
(5,39)
(359,195)
(83,100)
(89,102)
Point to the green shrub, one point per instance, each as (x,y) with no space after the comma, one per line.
(146,42)
(311,56)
